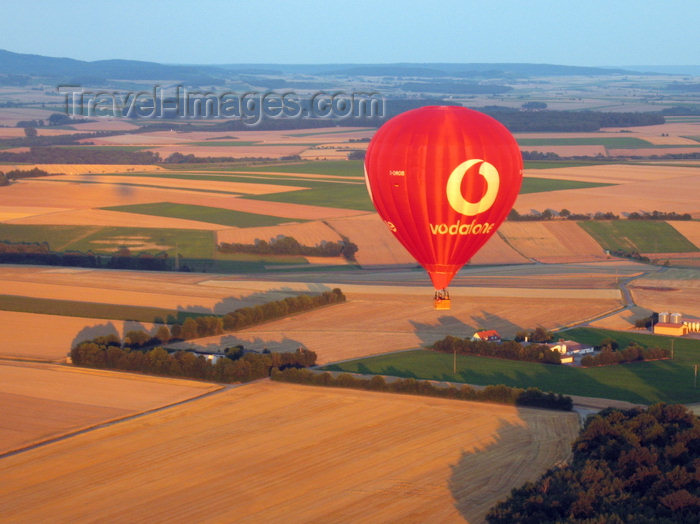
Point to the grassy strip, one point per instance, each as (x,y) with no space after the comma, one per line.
(74,308)
(212,215)
(643,382)
(542,185)
(643,236)
(626,142)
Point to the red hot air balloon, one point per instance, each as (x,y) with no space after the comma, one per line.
(443,178)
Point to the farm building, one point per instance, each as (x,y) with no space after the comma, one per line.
(570,347)
(668,328)
(487,336)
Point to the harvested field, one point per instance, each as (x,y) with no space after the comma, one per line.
(551,241)
(689,229)
(683,297)
(181,183)
(380,319)
(624,320)
(263,451)
(50,337)
(307,234)
(569,150)
(497,251)
(38,193)
(45,401)
(103,217)
(83,169)
(253,151)
(8,213)
(376,245)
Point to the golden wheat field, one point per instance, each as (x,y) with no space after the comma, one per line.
(551,241)
(265,452)
(41,402)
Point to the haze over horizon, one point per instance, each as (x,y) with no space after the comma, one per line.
(595,33)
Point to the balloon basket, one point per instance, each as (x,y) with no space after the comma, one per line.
(441,304)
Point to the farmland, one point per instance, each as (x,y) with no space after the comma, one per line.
(640,382)
(427,457)
(42,402)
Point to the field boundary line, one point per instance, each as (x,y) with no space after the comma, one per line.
(109,422)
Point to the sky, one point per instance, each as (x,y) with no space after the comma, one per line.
(565,32)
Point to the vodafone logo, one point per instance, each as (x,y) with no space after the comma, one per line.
(454,187)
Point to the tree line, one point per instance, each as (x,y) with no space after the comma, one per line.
(508,349)
(632,353)
(636,465)
(39,253)
(80,155)
(235,367)
(500,394)
(565,214)
(286,245)
(522,121)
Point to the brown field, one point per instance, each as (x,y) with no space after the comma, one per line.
(551,241)
(680,294)
(639,188)
(45,401)
(377,246)
(45,193)
(378,319)
(100,217)
(307,233)
(566,151)
(624,320)
(49,337)
(266,452)
(253,151)
(690,230)
(199,185)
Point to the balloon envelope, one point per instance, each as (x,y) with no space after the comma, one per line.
(443,178)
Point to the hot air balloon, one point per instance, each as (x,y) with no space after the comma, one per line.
(443,179)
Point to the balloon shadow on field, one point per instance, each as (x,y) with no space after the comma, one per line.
(499,462)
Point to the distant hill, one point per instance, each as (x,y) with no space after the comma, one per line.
(67,68)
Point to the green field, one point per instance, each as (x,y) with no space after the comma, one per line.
(621,142)
(353,168)
(555,164)
(542,185)
(640,382)
(643,236)
(219,143)
(685,349)
(196,247)
(74,308)
(212,215)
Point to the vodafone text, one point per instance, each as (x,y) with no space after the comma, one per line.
(462,229)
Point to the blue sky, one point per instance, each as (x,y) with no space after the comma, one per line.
(569,32)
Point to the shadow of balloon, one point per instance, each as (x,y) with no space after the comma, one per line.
(506,459)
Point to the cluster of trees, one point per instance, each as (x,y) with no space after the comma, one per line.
(179,158)
(500,394)
(16,174)
(538,335)
(78,155)
(236,367)
(248,316)
(634,352)
(39,253)
(520,121)
(632,465)
(286,245)
(549,214)
(658,215)
(509,349)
